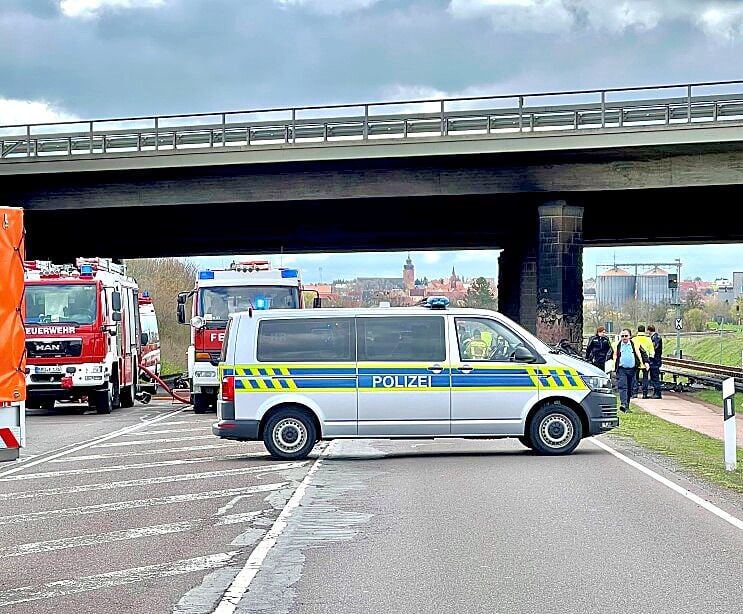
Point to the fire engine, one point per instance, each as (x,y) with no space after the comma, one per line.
(218,293)
(82,334)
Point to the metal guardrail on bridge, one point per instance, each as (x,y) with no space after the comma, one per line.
(494,116)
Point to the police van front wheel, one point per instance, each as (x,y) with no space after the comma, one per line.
(289,434)
(555,429)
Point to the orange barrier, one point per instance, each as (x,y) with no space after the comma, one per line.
(12,331)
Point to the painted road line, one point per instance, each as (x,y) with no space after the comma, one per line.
(125,535)
(94,540)
(115,468)
(143,442)
(138,504)
(203,427)
(162,479)
(90,443)
(60,588)
(231,598)
(215,446)
(710,507)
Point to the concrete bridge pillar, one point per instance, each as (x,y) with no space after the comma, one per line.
(540,281)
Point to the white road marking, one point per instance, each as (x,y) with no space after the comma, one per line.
(125,535)
(710,507)
(203,428)
(228,506)
(94,540)
(158,451)
(162,479)
(115,468)
(238,518)
(231,598)
(140,503)
(60,588)
(90,443)
(138,442)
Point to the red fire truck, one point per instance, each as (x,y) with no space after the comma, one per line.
(218,293)
(82,334)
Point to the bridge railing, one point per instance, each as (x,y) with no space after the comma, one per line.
(493,116)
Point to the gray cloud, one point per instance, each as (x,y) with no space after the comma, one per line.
(198,55)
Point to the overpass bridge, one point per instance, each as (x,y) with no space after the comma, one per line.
(538,175)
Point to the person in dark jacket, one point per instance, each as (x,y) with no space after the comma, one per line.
(655,361)
(629,356)
(598,348)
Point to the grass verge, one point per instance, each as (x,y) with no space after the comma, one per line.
(702,456)
(714,397)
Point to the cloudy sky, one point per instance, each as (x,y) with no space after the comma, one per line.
(63,59)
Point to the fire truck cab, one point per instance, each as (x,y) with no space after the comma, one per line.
(82,334)
(150,339)
(217,294)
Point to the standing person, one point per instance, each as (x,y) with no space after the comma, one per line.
(598,348)
(655,360)
(628,358)
(646,344)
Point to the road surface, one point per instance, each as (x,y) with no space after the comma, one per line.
(144,511)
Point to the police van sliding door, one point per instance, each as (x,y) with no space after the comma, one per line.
(404,376)
(490,391)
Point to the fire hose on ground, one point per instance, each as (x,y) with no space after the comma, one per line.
(167,389)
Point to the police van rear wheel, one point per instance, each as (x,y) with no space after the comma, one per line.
(555,429)
(289,434)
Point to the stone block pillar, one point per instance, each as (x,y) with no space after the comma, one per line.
(517,284)
(559,300)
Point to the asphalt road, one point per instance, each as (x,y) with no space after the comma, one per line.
(164,517)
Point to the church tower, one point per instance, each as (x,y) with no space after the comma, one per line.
(408,274)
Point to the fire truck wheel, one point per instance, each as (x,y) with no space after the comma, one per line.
(103,401)
(127,396)
(200,403)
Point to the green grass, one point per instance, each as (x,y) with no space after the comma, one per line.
(702,456)
(715,397)
(707,348)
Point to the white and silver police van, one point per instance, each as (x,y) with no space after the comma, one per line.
(292,378)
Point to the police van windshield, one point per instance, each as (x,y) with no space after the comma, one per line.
(217,303)
(63,303)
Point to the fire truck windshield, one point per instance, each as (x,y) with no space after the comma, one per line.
(219,302)
(64,303)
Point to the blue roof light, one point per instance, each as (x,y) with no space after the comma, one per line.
(87,270)
(206,274)
(437,302)
(261,303)
(145,294)
(289,273)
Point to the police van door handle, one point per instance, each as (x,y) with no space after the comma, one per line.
(435,368)
(465,368)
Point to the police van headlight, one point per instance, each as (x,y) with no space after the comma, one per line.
(597,383)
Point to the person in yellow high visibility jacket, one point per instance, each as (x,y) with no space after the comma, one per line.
(644,341)
(477,349)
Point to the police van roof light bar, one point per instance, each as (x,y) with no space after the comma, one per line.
(437,302)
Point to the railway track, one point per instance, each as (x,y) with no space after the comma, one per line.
(702,372)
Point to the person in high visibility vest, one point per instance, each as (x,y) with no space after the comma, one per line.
(477,349)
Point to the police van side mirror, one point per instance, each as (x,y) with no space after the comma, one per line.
(116,301)
(522,354)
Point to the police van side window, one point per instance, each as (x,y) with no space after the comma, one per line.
(484,339)
(409,339)
(306,340)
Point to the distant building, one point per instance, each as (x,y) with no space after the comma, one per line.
(738,284)
(724,290)
(408,274)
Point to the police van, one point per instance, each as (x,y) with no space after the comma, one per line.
(291,378)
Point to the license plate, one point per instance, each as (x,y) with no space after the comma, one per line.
(48,369)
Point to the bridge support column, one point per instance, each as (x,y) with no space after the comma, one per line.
(559,308)
(517,284)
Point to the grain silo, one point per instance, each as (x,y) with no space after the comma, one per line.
(614,288)
(652,287)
